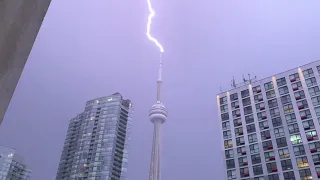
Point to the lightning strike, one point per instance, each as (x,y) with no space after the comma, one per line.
(151,15)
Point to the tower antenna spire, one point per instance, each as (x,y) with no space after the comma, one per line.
(159,81)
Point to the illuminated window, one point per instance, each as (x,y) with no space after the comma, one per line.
(288,108)
(228,144)
(284,153)
(305,174)
(302,162)
(295,139)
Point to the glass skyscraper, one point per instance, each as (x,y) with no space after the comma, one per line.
(96,145)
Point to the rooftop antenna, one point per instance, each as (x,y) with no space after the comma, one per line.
(233,84)
(244,79)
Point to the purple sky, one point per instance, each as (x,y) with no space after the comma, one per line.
(87,49)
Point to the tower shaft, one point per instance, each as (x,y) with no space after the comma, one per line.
(155,157)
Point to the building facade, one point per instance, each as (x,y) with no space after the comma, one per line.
(96,145)
(12,165)
(20,21)
(270,127)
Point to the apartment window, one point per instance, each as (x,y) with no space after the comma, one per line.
(279,132)
(272,167)
(260,106)
(226,125)
(254,148)
(241,151)
(245,93)
(225,116)
(308,124)
(252,138)
(276,122)
(314,147)
(318,171)
(302,162)
(294,77)
(316,159)
(274,112)
(307,73)
(223,100)
(230,164)
(232,174)
(256,90)
(299,150)
(238,131)
(235,105)
(234,97)
(269,156)
(258,98)
(272,103)
(284,153)
(288,108)
(293,128)
(267,145)
(291,118)
(259,178)
(312,135)
(296,86)
(299,95)
(236,113)
(229,153)
(237,122)
(228,144)
(283,90)
(289,175)
(256,159)
(295,139)
(246,101)
(227,134)
(273,177)
(268,86)
(251,128)
(316,101)
(262,115)
(244,172)
(224,108)
(249,119)
(317,110)
(281,81)
(265,135)
(257,170)
(281,142)
(314,91)
(302,104)
(240,141)
(305,114)
(305,174)
(243,161)
(286,164)
(247,110)
(311,82)
(285,99)
(271,94)
(263,125)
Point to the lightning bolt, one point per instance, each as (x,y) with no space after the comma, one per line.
(151,15)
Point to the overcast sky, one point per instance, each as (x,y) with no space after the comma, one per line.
(88,49)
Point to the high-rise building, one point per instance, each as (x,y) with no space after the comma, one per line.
(270,127)
(96,145)
(12,165)
(20,21)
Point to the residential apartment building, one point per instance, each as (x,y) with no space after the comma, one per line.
(96,145)
(270,127)
(12,165)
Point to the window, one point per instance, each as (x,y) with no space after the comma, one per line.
(276,122)
(312,135)
(223,100)
(232,174)
(236,113)
(256,159)
(289,175)
(284,153)
(278,132)
(295,139)
(268,86)
(224,108)
(317,110)
(314,147)
(281,142)
(244,172)
(305,174)
(272,167)
(234,97)
(299,150)
(308,124)
(269,156)
(283,90)
(245,93)
(293,128)
(291,118)
(240,141)
(302,104)
(311,82)
(258,98)
(271,94)
(227,134)
(254,148)
(256,90)
(272,103)
(288,108)
(237,122)
(316,101)
(229,153)
(307,73)
(314,91)
(257,170)
(243,161)
(260,106)
(274,112)
(247,110)
(252,138)
(228,144)
(316,159)
(286,164)
(249,119)
(241,151)
(259,178)
(226,125)
(318,171)
(305,114)
(224,116)
(265,135)
(296,86)
(294,77)
(299,95)
(235,105)
(238,131)
(285,99)
(251,128)
(302,162)
(263,125)
(273,177)
(267,145)
(262,115)
(246,101)
(318,68)
(230,163)
(281,81)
